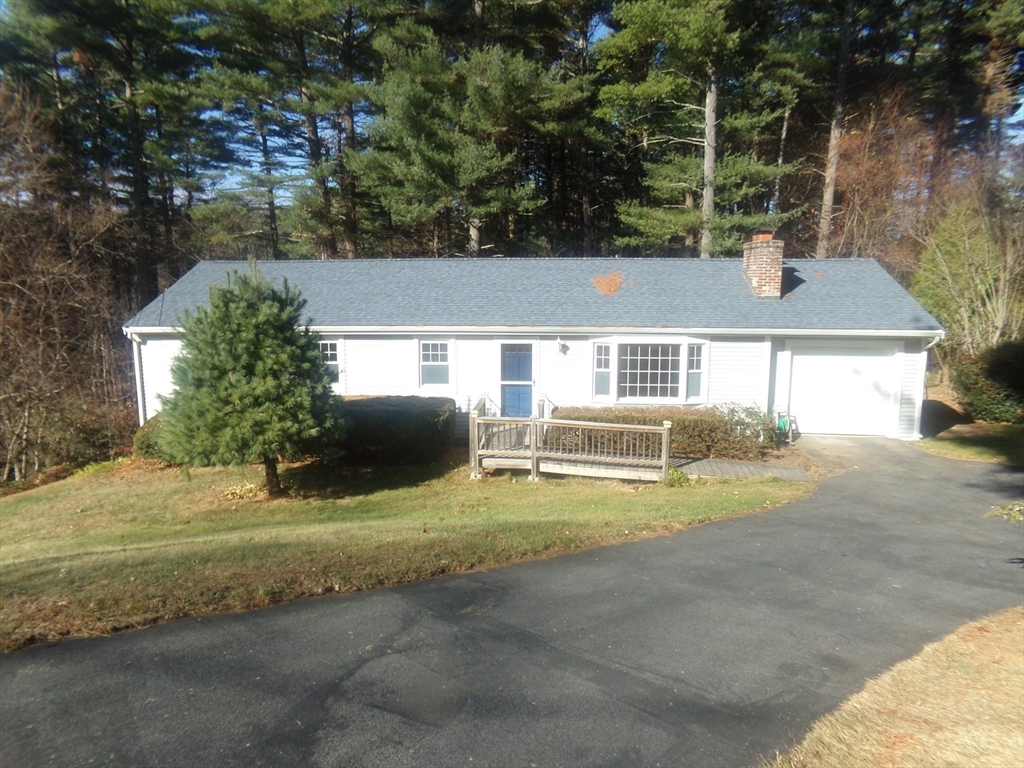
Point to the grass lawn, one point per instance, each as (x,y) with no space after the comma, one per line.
(130,544)
(1003,443)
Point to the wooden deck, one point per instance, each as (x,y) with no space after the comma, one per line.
(628,452)
(592,449)
(584,468)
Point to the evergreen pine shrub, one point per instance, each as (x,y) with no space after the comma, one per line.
(250,385)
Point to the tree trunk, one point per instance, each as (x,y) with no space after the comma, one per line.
(835,134)
(268,170)
(273,481)
(479,24)
(347,146)
(474,236)
(145,271)
(691,240)
(710,141)
(350,220)
(782,153)
(322,212)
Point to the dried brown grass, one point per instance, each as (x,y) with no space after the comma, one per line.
(960,702)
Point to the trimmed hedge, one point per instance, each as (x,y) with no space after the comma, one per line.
(399,430)
(990,386)
(720,432)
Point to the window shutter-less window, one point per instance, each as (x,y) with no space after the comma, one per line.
(694,369)
(602,369)
(434,362)
(329,356)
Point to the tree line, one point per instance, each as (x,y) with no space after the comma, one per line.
(140,136)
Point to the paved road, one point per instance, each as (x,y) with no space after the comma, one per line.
(710,647)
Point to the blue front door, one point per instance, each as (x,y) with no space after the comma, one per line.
(516,380)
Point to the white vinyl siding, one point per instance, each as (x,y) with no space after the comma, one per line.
(381,366)
(912,390)
(563,376)
(738,371)
(157,355)
(476,371)
(840,386)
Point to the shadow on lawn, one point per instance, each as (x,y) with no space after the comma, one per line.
(937,417)
(1004,440)
(346,479)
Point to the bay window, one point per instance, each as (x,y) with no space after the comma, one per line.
(650,371)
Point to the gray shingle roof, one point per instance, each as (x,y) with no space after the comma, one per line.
(837,294)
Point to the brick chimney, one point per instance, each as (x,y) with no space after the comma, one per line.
(762,264)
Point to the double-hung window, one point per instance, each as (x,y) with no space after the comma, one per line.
(329,356)
(602,370)
(694,370)
(434,362)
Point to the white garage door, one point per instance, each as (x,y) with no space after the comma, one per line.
(849,388)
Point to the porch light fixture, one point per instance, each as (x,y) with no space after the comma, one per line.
(562,346)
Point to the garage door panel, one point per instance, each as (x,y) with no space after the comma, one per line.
(846,390)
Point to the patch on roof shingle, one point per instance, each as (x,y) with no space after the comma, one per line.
(608,284)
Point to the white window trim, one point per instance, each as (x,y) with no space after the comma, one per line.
(337,362)
(683,342)
(450,364)
(702,396)
(610,397)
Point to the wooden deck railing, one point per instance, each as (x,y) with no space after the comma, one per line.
(569,447)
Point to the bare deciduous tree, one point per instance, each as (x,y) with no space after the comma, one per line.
(885,204)
(64,389)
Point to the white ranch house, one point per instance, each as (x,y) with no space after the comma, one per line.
(838,344)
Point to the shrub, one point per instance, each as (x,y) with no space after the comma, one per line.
(90,433)
(250,384)
(1005,366)
(720,432)
(990,386)
(399,430)
(147,440)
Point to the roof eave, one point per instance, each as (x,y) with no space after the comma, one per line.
(479,330)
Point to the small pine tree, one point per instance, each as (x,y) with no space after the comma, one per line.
(250,383)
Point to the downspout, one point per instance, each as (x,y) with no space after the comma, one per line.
(922,391)
(140,391)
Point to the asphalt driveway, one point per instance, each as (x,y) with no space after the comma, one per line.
(711,647)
